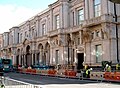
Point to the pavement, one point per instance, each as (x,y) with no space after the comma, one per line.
(92,85)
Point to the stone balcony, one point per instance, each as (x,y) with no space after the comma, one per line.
(41,38)
(55,32)
(90,22)
(98,20)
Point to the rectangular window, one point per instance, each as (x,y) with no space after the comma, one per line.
(92,35)
(73,59)
(57,18)
(99,53)
(57,56)
(11,39)
(25,33)
(80,16)
(21,37)
(73,18)
(78,41)
(43,29)
(33,32)
(29,33)
(97,8)
(18,38)
(97,34)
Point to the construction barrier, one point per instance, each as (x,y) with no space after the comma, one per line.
(117,76)
(44,72)
(20,70)
(52,72)
(70,73)
(33,71)
(114,76)
(60,72)
(97,75)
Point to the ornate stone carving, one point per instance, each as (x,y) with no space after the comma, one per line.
(86,36)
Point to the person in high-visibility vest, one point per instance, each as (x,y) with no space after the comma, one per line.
(109,68)
(88,73)
(117,67)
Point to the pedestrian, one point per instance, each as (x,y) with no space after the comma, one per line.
(87,73)
(108,68)
(117,67)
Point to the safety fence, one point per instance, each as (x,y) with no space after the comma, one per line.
(114,76)
(50,72)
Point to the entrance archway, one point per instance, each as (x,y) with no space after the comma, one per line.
(80,57)
(18,57)
(28,56)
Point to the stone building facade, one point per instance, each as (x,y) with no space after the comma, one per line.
(69,32)
(1,44)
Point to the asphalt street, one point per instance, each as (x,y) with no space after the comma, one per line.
(57,82)
(44,80)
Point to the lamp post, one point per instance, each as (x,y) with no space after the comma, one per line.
(68,41)
(116,2)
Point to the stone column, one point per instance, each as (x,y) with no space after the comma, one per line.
(14,59)
(75,17)
(40,59)
(36,58)
(104,3)
(61,16)
(65,12)
(32,59)
(37,26)
(91,9)
(51,19)
(80,36)
(66,55)
(24,59)
(51,55)
(86,9)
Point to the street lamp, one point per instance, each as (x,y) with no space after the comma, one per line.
(68,51)
(116,2)
(68,41)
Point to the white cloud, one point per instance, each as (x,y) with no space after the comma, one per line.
(11,15)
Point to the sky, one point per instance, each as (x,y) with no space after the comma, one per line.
(14,12)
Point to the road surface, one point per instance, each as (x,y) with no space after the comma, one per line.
(57,82)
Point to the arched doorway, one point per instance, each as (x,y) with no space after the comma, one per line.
(17,57)
(47,53)
(28,56)
(22,59)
